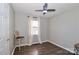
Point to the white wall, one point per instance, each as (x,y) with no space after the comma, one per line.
(11,28)
(64,29)
(21,24)
(44,29)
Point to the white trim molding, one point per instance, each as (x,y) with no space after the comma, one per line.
(60,46)
(31,44)
(13,51)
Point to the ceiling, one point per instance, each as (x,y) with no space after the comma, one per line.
(29,8)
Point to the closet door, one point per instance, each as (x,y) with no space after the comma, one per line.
(4,29)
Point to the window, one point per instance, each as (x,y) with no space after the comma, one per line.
(35,27)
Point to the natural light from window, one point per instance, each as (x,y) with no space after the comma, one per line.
(35,27)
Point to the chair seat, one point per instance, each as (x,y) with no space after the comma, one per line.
(19,37)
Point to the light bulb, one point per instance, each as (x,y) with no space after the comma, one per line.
(45,11)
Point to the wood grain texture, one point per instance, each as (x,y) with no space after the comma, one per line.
(45,48)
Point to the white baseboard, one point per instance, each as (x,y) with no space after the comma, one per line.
(60,46)
(21,45)
(13,51)
(29,44)
(38,42)
(17,46)
(24,45)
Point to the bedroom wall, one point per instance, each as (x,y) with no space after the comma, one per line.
(11,28)
(64,29)
(21,25)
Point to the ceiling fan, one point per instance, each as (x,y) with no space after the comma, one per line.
(45,9)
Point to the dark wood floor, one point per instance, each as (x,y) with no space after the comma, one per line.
(42,49)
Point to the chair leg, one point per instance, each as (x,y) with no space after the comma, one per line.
(19,45)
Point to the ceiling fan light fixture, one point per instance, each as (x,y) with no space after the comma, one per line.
(45,11)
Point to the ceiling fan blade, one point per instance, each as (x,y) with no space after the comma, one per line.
(51,10)
(45,9)
(39,10)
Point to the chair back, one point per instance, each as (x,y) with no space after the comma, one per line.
(17,33)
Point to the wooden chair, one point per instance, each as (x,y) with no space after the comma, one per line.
(18,37)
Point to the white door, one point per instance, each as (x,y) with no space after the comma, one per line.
(4,30)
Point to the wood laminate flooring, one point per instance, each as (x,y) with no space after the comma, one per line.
(45,48)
